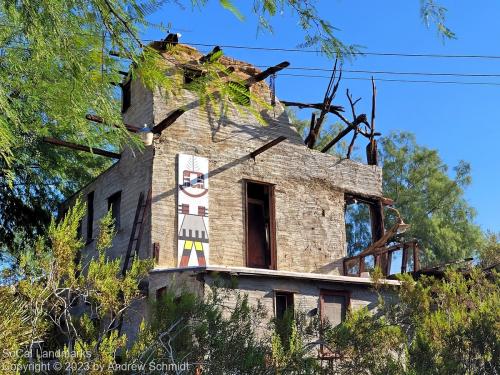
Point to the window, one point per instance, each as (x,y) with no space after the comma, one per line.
(260,226)
(161,292)
(126,95)
(283,302)
(333,306)
(114,204)
(364,222)
(90,216)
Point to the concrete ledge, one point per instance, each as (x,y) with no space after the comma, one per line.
(258,272)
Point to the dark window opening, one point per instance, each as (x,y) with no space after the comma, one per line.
(283,304)
(334,306)
(238,93)
(114,202)
(161,292)
(126,95)
(90,216)
(191,75)
(260,231)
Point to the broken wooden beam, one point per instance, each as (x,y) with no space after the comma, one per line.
(266,73)
(216,53)
(360,119)
(372,152)
(318,106)
(387,201)
(78,147)
(169,120)
(267,146)
(98,119)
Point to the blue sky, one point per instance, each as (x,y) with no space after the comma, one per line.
(460,121)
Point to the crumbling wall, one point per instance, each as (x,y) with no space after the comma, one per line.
(310,186)
(131,175)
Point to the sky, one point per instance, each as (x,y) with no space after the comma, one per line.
(460,121)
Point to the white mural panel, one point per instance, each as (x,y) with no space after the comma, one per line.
(193,247)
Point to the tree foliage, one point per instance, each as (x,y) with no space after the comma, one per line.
(55,68)
(69,303)
(429,199)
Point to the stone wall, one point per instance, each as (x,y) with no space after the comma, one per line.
(306,294)
(310,186)
(131,175)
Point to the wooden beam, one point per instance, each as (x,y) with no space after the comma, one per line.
(267,146)
(98,119)
(75,146)
(387,201)
(266,73)
(318,106)
(209,55)
(360,119)
(169,120)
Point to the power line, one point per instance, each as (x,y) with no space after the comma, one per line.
(300,50)
(395,80)
(445,74)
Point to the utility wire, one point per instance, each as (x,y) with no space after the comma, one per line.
(301,50)
(445,74)
(395,80)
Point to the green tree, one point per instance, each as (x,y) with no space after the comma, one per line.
(203,332)
(447,325)
(429,199)
(55,68)
(489,252)
(452,324)
(70,303)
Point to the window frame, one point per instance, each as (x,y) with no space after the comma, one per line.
(90,217)
(272,220)
(126,95)
(288,294)
(333,292)
(324,352)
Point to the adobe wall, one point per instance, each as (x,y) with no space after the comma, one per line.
(310,186)
(306,294)
(131,175)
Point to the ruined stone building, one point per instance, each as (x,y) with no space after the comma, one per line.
(210,198)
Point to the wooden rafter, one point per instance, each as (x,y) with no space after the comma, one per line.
(267,146)
(98,119)
(169,120)
(266,73)
(318,106)
(209,55)
(74,146)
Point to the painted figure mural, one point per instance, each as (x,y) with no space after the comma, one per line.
(193,246)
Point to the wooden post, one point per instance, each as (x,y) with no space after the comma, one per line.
(371,152)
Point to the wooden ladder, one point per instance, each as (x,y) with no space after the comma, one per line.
(137,229)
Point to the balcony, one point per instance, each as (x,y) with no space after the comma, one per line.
(398,257)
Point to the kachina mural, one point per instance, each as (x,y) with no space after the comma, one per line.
(193,247)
